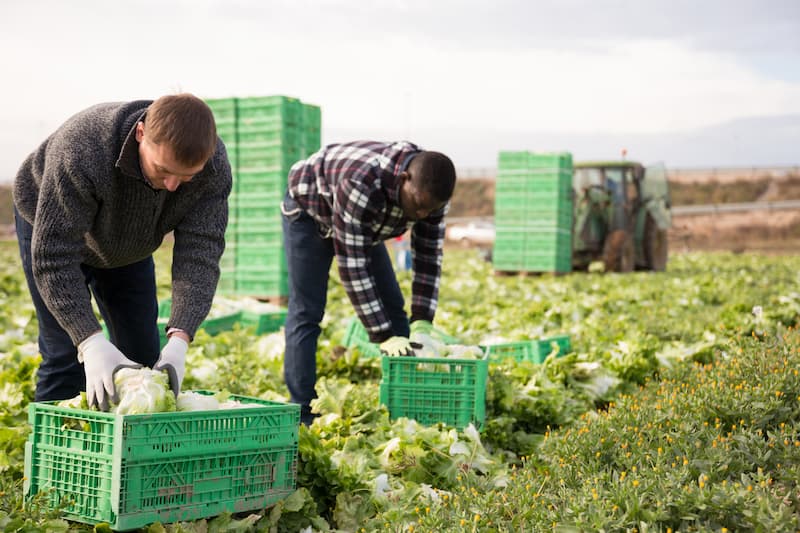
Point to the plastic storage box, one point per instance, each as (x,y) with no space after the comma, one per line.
(264,322)
(132,470)
(534,351)
(435,389)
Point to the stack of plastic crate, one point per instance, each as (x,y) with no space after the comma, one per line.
(533,212)
(224,110)
(270,134)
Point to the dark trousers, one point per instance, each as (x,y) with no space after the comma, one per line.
(126,298)
(308,259)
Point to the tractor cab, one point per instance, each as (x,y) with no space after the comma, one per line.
(620,215)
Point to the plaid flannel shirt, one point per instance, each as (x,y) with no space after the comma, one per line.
(352,191)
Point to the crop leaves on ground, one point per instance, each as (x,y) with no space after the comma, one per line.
(676,410)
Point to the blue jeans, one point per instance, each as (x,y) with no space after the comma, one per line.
(308,259)
(126,297)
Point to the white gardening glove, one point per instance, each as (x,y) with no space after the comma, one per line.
(101,360)
(173,360)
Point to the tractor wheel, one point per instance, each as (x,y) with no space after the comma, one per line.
(654,243)
(619,253)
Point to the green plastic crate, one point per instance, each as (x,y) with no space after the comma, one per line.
(261,255)
(545,346)
(262,208)
(550,160)
(265,135)
(312,117)
(262,282)
(264,322)
(519,351)
(534,351)
(433,390)
(512,160)
(249,182)
(269,158)
(265,109)
(212,325)
(356,336)
(133,470)
(224,109)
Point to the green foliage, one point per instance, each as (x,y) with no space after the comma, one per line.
(671,361)
(707,448)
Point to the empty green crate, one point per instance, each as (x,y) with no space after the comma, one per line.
(312,117)
(278,179)
(533,224)
(224,109)
(269,135)
(264,321)
(257,209)
(268,159)
(550,160)
(227,132)
(506,259)
(512,187)
(265,282)
(133,470)
(550,263)
(263,109)
(547,200)
(312,141)
(544,346)
(434,390)
(512,160)
(212,324)
(257,256)
(356,336)
(266,237)
(519,351)
(533,351)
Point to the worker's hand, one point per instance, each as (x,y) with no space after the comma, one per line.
(101,360)
(173,360)
(397,346)
(422,327)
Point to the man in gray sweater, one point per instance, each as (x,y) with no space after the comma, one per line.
(92,204)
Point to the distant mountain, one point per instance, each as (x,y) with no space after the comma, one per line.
(756,141)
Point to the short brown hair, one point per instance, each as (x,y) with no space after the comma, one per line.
(186,124)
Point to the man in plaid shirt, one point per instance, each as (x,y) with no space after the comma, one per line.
(344,201)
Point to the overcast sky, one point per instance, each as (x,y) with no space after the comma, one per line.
(465,77)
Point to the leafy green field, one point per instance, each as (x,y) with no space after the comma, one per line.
(677,411)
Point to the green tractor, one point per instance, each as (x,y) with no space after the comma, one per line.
(621,216)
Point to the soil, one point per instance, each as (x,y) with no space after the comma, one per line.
(764,231)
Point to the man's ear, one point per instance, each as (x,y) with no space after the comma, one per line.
(139,131)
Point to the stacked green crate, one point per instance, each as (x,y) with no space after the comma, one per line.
(270,141)
(271,133)
(224,110)
(533,212)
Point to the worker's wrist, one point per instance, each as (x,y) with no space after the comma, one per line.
(179,333)
(89,341)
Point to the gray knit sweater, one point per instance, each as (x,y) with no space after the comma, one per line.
(84,194)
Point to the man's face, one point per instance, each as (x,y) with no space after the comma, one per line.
(159,165)
(416,203)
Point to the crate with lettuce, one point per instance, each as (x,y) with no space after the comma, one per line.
(154,457)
